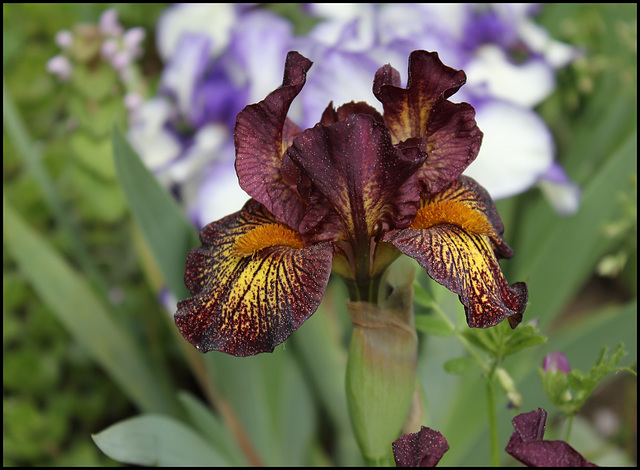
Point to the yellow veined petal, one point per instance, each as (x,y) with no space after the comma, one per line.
(464,262)
(246,302)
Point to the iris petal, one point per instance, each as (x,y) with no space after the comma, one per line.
(528,446)
(467,191)
(421,110)
(246,303)
(457,238)
(464,263)
(261,135)
(363,176)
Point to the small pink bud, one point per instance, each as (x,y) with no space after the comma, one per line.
(555,362)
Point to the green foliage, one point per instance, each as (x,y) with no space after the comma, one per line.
(570,391)
(88,233)
(156,440)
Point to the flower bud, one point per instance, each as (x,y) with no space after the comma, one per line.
(556,362)
(509,387)
(381,371)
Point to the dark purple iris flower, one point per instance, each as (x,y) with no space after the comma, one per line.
(348,195)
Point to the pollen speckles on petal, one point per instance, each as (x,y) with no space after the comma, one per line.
(265,236)
(455,213)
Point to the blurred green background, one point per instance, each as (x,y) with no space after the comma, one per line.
(58,175)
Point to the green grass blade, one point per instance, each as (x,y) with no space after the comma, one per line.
(163,223)
(83,314)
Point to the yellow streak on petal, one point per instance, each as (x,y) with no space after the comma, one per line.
(265,236)
(455,213)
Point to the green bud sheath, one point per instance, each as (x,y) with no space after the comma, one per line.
(381,371)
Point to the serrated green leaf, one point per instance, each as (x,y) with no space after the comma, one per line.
(156,440)
(163,223)
(523,337)
(84,315)
(460,366)
(433,326)
(482,339)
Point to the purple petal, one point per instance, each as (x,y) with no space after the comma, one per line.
(185,70)
(422,449)
(527,445)
(421,110)
(261,140)
(244,303)
(353,164)
(555,362)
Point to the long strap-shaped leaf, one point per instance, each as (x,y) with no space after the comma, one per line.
(84,315)
(163,223)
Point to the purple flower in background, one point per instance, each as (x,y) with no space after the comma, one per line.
(424,448)
(527,445)
(510,64)
(556,362)
(108,39)
(220,57)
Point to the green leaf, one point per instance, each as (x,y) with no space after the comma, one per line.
(156,440)
(433,325)
(84,315)
(525,336)
(562,252)
(461,365)
(272,401)
(210,426)
(483,339)
(163,223)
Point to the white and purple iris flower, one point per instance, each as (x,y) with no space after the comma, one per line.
(220,57)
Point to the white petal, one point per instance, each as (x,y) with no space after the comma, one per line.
(156,146)
(214,20)
(517,149)
(185,68)
(526,84)
(260,43)
(219,195)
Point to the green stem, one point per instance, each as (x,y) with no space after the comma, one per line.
(465,343)
(494,444)
(569,428)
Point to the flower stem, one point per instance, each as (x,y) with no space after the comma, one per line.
(494,444)
(569,427)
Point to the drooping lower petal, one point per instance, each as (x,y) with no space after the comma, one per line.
(253,284)
(468,197)
(464,262)
(262,134)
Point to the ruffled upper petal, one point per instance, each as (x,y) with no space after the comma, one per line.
(421,110)
(261,136)
(253,284)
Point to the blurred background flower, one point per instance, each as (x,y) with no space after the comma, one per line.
(218,58)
